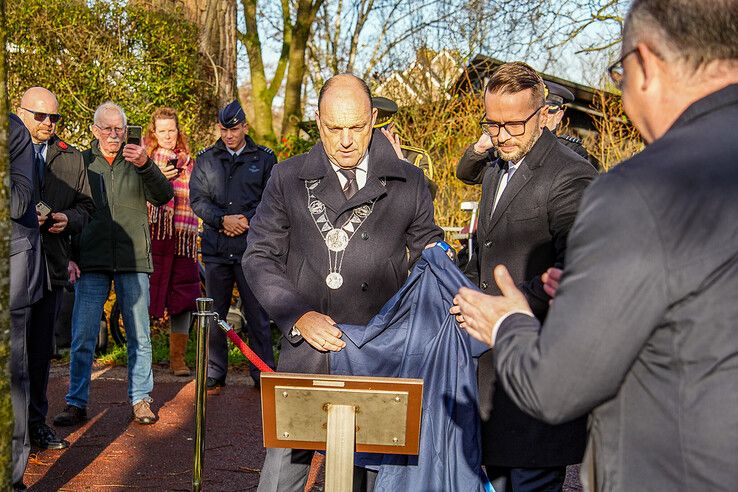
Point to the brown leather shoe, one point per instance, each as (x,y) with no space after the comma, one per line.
(142,413)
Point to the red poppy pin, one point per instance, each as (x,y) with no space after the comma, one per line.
(62,145)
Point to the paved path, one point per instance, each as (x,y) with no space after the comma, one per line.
(112,453)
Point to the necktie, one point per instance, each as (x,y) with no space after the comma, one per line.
(502,185)
(40,164)
(351,186)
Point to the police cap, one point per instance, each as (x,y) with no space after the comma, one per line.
(231,115)
(557,95)
(386,109)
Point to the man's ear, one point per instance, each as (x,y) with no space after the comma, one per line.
(544,116)
(651,67)
(374,116)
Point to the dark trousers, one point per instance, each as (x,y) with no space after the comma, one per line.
(40,344)
(21,447)
(527,479)
(219,280)
(286,470)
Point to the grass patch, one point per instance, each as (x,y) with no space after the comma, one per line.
(117,355)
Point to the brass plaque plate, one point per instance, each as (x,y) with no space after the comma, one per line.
(302,414)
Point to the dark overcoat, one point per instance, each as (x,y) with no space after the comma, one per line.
(26,260)
(65,189)
(286,261)
(222,184)
(527,233)
(642,334)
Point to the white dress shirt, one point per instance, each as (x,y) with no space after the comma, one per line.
(361,172)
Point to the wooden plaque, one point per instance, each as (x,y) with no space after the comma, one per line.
(294,409)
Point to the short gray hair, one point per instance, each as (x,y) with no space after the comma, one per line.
(692,34)
(108,106)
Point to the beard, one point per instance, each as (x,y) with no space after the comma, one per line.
(522,148)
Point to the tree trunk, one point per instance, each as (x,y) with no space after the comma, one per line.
(306,11)
(6,409)
(263,92)
(217,22)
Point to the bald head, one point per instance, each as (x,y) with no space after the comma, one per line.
(39,111)
(345,119)
(345,85)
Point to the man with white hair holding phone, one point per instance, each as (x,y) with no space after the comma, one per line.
(115,246)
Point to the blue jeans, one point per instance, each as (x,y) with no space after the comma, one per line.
(132,293)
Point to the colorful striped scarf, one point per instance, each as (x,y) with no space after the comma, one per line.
(176,218)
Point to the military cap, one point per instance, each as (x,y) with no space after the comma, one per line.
(557,95)
(231,115)
(386,109)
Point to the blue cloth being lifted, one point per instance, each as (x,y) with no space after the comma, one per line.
(414,336)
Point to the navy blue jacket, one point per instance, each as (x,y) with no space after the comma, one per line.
(225,185)
(414,336)
(26,263)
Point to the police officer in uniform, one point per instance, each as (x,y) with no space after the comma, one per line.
(556,97)
(386,109)
(225,188)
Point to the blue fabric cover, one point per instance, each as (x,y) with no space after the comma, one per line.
(414,336)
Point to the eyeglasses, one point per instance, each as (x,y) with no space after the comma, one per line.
(108,130)
(41,117)
(513,128)
(616,71)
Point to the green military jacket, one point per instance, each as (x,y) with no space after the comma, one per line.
(117,237)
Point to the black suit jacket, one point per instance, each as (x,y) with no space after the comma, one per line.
(286,260)
(26,265)
(527,233)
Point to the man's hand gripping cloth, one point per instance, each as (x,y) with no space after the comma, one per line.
(414,336)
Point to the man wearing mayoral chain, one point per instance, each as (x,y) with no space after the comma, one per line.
(331,241)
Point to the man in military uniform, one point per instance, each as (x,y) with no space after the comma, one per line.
(557,96)
(226,186)
(386,109)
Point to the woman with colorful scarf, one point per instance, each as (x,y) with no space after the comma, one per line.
(175,283)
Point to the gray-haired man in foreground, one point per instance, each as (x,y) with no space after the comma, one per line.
(642,332)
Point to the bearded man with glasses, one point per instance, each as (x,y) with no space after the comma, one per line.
(530,193)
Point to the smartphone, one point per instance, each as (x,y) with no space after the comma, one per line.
(134,135)
(173,163)
(43,209)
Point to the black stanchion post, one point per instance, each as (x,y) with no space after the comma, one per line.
(204,316)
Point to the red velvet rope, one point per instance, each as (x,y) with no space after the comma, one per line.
(247,352)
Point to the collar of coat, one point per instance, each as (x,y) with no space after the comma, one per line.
(383,161)
(56,146)
(727,96)
(221,148)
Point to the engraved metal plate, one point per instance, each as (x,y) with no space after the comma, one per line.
(334,280)
(380,415)
(336,239)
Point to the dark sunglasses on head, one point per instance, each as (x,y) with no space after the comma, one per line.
(41,117)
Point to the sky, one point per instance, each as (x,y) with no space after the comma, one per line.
(568,62)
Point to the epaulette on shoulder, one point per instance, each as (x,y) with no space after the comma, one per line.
(204,150)
(265,149)
(571,139)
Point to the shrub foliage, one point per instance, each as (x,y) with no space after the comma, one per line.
(90,52)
